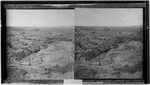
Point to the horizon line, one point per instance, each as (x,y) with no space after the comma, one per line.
(44,27)
(73,26)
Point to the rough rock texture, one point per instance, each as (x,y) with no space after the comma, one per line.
(121,63)
(37,56)
(108,52)
(54,62)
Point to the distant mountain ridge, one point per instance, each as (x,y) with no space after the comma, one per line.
(28,28)
(133,26)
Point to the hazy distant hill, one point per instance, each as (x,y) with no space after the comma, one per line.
(110,29)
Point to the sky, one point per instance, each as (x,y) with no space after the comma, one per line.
(77,17)
(40,18)
(108,16)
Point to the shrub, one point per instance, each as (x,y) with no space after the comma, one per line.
(15,74)
(89,54)
(20,55)
(84,72)
(130,69)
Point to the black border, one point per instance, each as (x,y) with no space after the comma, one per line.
(3,44)
(105,4)
(146,43)
(67,2)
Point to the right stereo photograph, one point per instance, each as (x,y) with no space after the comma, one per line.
(108,43)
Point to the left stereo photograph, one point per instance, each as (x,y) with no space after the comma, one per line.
(40,44)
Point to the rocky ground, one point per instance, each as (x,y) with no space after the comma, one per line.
(117,63)
(83,54)
(100,55)
(31,57)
